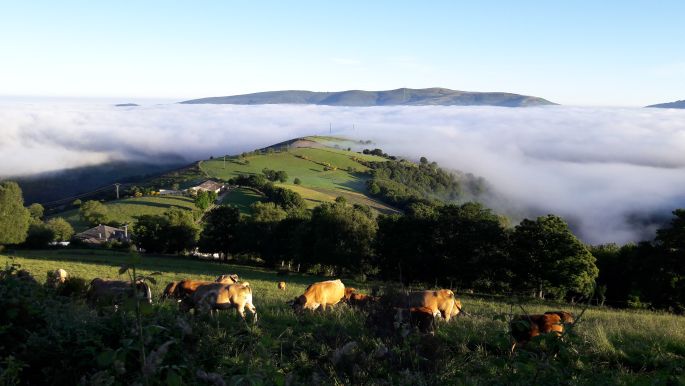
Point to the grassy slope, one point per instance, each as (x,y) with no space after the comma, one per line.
(242,198)
(307,164)
(611,346)
(125,209)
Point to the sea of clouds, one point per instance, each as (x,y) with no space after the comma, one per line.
(608,171)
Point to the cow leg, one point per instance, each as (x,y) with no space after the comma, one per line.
(253,310)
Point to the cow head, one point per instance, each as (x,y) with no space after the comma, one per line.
(299,302)
(457,309)
(348,293)
(227,279)
(143,291)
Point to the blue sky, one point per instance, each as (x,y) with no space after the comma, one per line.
(608,53)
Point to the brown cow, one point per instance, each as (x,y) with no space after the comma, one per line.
(321,294)
(218,296)
(353,298)
(281,285)
(186,288)
(113,292)
(169,290)
(526,327)
(441,302)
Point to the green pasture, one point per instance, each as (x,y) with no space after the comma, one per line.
(605,347)
(126,209)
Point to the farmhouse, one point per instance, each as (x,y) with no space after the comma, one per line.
(209,186)
(103,233)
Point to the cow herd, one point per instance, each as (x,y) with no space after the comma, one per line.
(421,308)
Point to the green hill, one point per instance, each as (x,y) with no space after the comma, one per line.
(401,96)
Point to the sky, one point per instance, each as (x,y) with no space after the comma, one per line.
(584,53)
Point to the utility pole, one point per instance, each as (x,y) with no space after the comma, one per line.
(330,128)
(117,186)
(224,162)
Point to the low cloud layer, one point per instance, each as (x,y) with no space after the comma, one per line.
(607,170)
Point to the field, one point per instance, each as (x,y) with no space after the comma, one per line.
(125,209)
(324,172)
(242,198)
(605,347)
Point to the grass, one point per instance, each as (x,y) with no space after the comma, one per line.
(607,346)
(324,173)
(126,209)
(242,198)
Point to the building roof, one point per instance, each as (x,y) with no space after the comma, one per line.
(100,232)
(209,185)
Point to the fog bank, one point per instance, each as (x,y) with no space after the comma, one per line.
(604,169)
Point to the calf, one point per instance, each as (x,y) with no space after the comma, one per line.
(353,298)
(217,296)
(113,292)
(281,285)
(56,278)
(321,294)
(440,302)
(526,327)
(187,287)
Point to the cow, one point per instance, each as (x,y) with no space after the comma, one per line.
(526,327)
(187,287)
(281,285)
(353,298)
(169,290)
(441,302)
(56,278)
(218,296)
(112,292)
(321,294)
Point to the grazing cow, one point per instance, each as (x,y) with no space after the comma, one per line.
(186,288)
(422,318)
(281,285)
(56,278)
(440,302)
(356,299)
(526,327)
(169,290)
(104,291)
(321,294)
(218,296)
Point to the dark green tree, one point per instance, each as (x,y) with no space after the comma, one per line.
(548,258)
(61,229)
(14,218)
(222,226)
(94,213)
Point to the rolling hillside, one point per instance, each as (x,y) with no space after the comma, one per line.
(670,105)
(324,172)
(401,96)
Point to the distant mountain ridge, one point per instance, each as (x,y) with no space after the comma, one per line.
(398,97)
(670,105)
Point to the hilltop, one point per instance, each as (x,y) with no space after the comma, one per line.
(670,105)
(398,97)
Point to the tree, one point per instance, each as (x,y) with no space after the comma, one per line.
(205,199)
(546,256)
(36,211)
(267,212)
(76,203)
(94,212)
(221,228)
(281,176)
(297,181)
(341,235)
(149,233)
(14,218)
(424,160)
(60,228)
(39,235)
(182,233)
